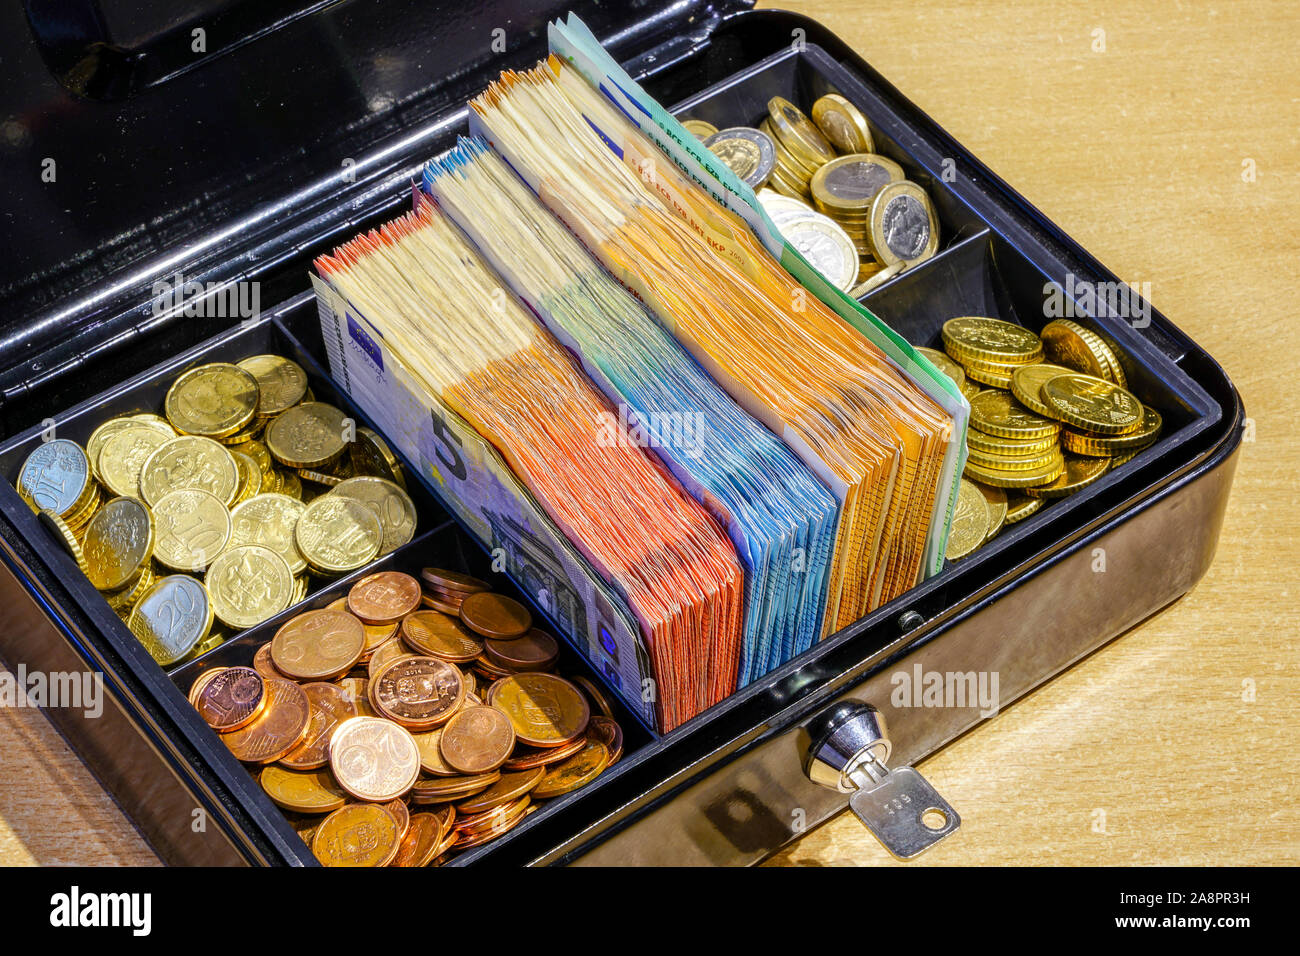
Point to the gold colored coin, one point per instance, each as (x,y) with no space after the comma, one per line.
(257,451)
(1000,478)
(55,477)
(66,538)
(1035,462)
(995,499)
(388,502)
(1101,446)
(212,400)
(903,224)
(1021,506)
(431,760)
(842,124)
(699,128)
(359,834)
(189,462)
(250,476)
(1092,404)
(191,527)
(946,365)
(248,584)
(1027,385)
(545,710)
(371,455)
(1070,344)
(1079,473)
(309,435)
(302,791)
(997,413)
(979,338)
(118,543)
(847,186)
(374,759)
(977,440)
(281,383)
(970,522)
(439,635)
(102,433)
(270,521)
(986,376)
(337,534)
(123,455)
(578,771)
(797,133)
(124,600)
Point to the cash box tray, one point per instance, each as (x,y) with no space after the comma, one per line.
(243,207)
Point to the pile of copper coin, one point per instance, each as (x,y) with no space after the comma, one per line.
(411,720)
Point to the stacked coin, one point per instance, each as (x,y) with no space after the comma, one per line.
(845,189)
(801,148)
(203,520)
(438,730)
(819,239)
(1047,431)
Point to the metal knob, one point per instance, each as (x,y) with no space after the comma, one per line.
(899,806)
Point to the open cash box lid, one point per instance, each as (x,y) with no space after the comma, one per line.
(225,141)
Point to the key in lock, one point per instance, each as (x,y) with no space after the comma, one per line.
(898,805)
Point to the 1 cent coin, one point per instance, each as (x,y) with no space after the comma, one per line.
(477,739)
(495,615)
(233,698)
(419,693)
(384,597)
(535,651)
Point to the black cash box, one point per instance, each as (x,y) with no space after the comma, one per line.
(226,143)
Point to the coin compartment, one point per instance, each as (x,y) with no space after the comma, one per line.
(728,786)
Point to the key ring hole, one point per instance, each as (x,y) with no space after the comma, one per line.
(934,819)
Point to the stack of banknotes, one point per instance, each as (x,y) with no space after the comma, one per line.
(743,458)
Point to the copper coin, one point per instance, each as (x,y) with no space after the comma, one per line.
(446,789)
(510,787)
(599,699)
(448,840)
(434,634)
(330,706)
(201,682)
(385,654)
(438,602)
(400,813)
(356,689)
(263,664)
(579,770)
(453,581)
(431,759)
(420,843)
(546,710)
(609,733)
(384,597)
(477,822)
(495,615)
(318,645)
(373,759)
(535,651)
(525,758)
(278,729)
(419,693)
(233,698)
(469,840)
(376,634)
(360,834)
(477,739)
(484,665)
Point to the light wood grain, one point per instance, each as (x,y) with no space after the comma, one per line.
(1138,152)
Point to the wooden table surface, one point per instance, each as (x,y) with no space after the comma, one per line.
(1135,127)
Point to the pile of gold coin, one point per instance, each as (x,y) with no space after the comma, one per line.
(859,198)
(1046,429)
(213,517)
(423,714)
